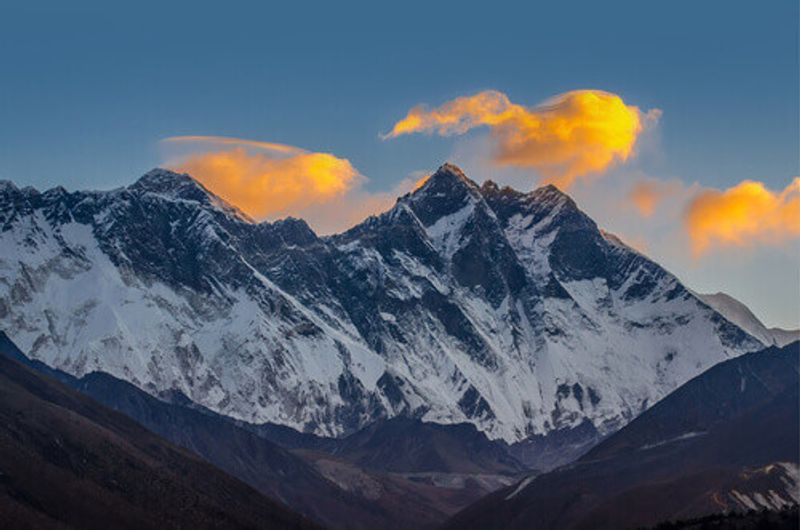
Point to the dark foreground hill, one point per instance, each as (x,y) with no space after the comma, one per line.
(68,462)
(725,441)
(407,445)
(785,519)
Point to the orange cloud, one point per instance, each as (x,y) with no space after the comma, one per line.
(264,179)
(744,215)
(268,180)
(421,182)
(570,136)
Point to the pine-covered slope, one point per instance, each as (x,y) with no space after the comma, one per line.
(512,311)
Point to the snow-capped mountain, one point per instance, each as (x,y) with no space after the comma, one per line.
(740,314)
(509,310)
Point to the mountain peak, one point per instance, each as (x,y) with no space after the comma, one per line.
(9,188)
(294,231)
(506,202)
(160,180)
(445,192)
(738,313)
(7,185)
(550,193)
(453,169)
(172,185)
(449,174)
(551,188)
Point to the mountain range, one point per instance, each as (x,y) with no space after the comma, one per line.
(725,442)
(471,339)
(463,303)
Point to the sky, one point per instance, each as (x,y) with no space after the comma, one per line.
(682,117)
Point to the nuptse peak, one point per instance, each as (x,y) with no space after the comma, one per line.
(509,310)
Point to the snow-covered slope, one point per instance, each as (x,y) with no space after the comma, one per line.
(740,314)
(509,310)
(726,441)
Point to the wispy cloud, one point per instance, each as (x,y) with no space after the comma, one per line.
(573,135)
(264,179)
(270,180)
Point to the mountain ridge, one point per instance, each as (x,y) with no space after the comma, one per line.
(740,314)
(504,309)
(724,442)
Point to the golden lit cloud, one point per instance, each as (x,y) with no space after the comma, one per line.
(573,135)
(355,206)
(265,179)
(420,182)
(268,180)
(744,215)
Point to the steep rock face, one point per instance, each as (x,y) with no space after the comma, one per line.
(726,441)
(508,310)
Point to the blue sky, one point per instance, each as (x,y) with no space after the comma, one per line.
(87,91)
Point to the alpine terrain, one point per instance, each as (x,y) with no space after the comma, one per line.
(511,311)
(725,442)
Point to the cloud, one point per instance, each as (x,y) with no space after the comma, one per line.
(336,216)
(268,180)
(573,135)
(763,276)
(646,195)
(420,180)
(263,179)
(240,142)
(744,215)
